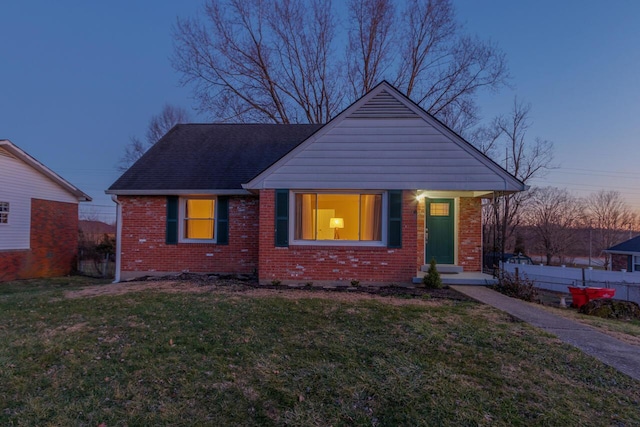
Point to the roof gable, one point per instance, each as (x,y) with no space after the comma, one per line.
(9,149)
(385,141)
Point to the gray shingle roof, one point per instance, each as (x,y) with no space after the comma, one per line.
(631,245)
(211,156)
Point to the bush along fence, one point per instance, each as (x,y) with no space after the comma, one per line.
(96,257)
(558,279)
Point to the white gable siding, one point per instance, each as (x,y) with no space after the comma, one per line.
(385,153)
(19,183)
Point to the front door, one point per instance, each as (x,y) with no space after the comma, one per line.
(439,232)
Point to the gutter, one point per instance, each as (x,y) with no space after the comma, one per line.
(116,279)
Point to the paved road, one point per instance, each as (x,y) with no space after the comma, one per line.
(622,356)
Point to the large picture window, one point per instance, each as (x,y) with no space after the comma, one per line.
(199,222)
(338,217)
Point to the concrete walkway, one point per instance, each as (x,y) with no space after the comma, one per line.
(624,357)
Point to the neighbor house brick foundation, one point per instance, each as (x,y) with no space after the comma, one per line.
(143,242)
(53,243)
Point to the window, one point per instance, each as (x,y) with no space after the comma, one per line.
(198,223)
(636,263)
(439,209)
(4,212)
(338,217)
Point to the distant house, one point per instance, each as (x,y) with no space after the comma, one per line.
(94,231)
(38,217)
(371,196)
(625,255)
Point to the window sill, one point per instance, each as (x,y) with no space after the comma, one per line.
(337,244)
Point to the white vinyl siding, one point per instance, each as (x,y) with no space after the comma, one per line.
(4,212)
(20,184)
(389,144)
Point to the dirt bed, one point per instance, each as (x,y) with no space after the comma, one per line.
(390,294)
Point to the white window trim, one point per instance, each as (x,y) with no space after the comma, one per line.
(363,243)
(182,208)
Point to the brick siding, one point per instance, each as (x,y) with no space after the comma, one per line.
(470,233)
(252,245)
(300,263)
(53,243)
(144,251)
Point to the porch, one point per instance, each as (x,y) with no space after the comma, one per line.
(455,276)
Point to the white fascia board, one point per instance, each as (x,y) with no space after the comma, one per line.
(177,192)
(35,164)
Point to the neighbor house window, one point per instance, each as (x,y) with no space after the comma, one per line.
(338,217)
(4,212)
(636,263)
(198,219)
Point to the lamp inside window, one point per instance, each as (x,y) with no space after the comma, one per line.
(336,224)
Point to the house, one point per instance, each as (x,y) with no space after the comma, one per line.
(38,218)
(625,255)
(93,232)
(372,196)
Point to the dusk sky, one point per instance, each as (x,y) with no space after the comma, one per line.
(79,78)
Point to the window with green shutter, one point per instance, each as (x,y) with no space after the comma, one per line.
(197,219)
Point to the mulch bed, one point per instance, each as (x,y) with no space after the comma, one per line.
(241,283)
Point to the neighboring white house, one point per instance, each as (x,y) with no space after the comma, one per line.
(38,217)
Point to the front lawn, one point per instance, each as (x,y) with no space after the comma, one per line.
(290,358)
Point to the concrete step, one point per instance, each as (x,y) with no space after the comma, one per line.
(445,268)
(464,278)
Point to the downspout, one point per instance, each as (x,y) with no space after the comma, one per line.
(118,237)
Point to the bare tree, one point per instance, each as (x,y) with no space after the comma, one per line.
(370,43)
(261,61)
(555,216)
(611,218)
(281,61)
(158,125)
(506,140)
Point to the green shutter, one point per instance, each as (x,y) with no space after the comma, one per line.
(222,221)
(394,230)
(172,220)
(282,218)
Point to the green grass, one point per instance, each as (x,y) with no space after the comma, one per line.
(153,358)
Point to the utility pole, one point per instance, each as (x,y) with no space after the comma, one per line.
(590,243)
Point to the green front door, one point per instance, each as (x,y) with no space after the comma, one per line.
(439,233)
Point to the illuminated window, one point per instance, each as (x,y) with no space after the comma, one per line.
(338,217)
(4,212)
(439,209)
(198,219)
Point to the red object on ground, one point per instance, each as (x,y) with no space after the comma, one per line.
(578,296)
(595,293)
